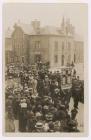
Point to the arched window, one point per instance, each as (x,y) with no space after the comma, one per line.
(23,59)
(56,58)
(56,46)
(74,58)
(62,47)
(69,47)
(62,60)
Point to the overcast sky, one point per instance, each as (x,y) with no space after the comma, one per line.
(48,14)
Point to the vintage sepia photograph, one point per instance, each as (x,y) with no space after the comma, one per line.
(45,63)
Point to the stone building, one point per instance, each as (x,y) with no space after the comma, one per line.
(78,51)
(56,45)
(8,47)
(20,44)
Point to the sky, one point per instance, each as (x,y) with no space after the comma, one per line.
(48,14)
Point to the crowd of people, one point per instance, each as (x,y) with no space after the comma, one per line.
(40,104)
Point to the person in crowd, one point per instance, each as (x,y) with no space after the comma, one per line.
(72,124)
(9,120)
(23,115)
(40,104)
(76,91)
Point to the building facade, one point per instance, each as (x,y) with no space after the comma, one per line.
(19,45)
(8,48)
(56,45)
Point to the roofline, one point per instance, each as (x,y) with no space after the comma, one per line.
(7,37)
(48,35)
(79,41)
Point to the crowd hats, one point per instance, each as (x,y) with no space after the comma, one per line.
(39,125)
(23,103)
(46,76)
(57,90)
(38,114)
(30,114)
(46,98)
(39,107)
(45,107)
(10,96)
(74,111)
(49,116)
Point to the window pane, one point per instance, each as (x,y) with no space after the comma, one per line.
(56,59)
(62,60)
(37,45)
(56,46)
(62,47)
